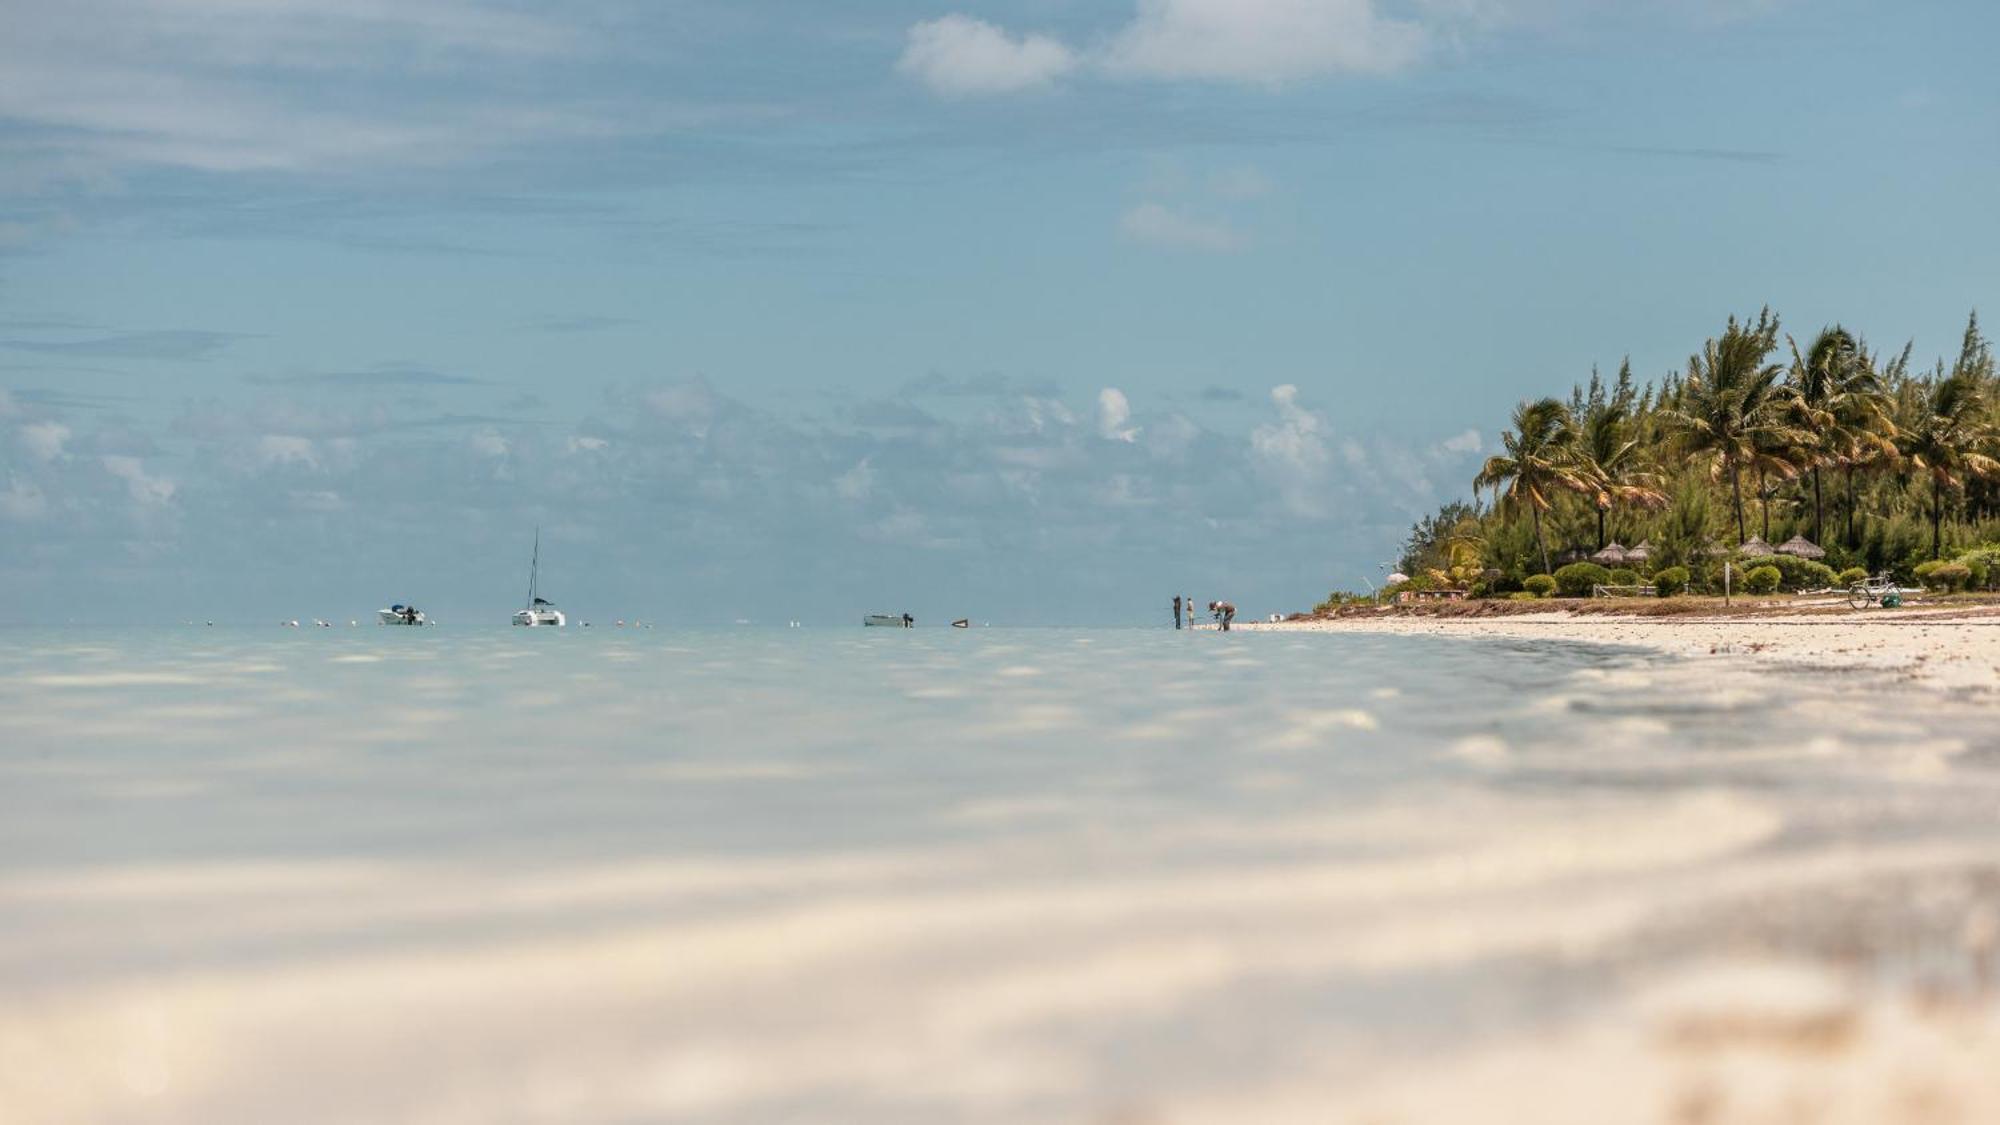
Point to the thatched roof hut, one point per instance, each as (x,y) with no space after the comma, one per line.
(1755,548)
(1639,554)
(1611,555)
(1802,547)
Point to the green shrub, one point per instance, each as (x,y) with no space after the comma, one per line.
(1762,580)
(1852,575)
(1944,576)
(1979,570)
(1793,573)
(1923,571)
(1576,579)
(1624,577)
(1539,585)
(1671,581)
(1523,595)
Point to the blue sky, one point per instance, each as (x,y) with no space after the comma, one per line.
(1034,311)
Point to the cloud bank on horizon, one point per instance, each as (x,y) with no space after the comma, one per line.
(674,499)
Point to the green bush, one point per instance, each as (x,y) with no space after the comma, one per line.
(1523,595)
(1944,576)
(1539,585)
(1576,579)
(1671,582)
(1763,580)
(1852,575)
(1623,577)
(1923,571)
(1793,573)
(1979,570)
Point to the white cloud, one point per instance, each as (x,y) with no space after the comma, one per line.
(961,56)
(588,445)
(488,443)
(286,449)
(1156,224)
(856,483)
(139,484)
(44,441)
(22,501)
(1113,412)
(1263,41)
(318,500)
(1292,453)
(1467,442)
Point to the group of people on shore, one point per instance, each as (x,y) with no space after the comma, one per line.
(1223,612)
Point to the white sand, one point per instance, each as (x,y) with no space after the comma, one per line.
(1951,650)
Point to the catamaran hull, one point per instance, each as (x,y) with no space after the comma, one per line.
(544,618)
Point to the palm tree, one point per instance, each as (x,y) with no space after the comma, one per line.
(1541,459)
(1613,462)
(1949,440)
(1839,406)
(1732,403)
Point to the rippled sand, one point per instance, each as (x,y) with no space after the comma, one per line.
(990,876)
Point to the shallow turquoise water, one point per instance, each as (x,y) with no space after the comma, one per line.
(1007,875)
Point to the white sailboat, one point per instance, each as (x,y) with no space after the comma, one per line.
(539,611)
(401,615)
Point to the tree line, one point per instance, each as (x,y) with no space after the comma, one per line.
(1880,465)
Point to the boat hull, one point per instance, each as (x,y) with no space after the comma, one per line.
(883,621)
(541,618)
(391,617)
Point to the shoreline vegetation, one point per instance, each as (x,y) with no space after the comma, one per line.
(1781,471)
(1774,465)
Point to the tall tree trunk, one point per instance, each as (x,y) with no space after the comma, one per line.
(1601,540)
(1852,504)
(1819,511)
(1736,489)
(1937,518)
(1539,544)
(1764,501)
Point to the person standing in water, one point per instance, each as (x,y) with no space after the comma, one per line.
(1224,613)
(1177,611)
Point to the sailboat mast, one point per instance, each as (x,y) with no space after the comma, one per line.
(535,568)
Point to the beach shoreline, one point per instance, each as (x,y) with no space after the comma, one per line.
(1951,650)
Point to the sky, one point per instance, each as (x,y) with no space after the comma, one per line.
(1031,312)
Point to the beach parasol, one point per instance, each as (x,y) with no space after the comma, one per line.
(1755,548)
(1611,555)
(1802,547)
(1640,553)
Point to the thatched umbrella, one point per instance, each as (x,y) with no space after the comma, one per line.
(1611,555)
(1755,547)
(1802,547)
(1639,554)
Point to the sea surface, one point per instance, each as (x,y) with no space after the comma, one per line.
(489,875)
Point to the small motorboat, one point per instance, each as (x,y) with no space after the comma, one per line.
(402,615)
(962,623)
(889,621)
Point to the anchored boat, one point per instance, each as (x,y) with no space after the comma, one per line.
(889,621)
(540,610)
(402,615)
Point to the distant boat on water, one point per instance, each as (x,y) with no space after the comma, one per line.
(540,611)
(889,621)
(962,623)
(402,615)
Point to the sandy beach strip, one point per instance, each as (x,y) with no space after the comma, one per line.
(1955,650)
